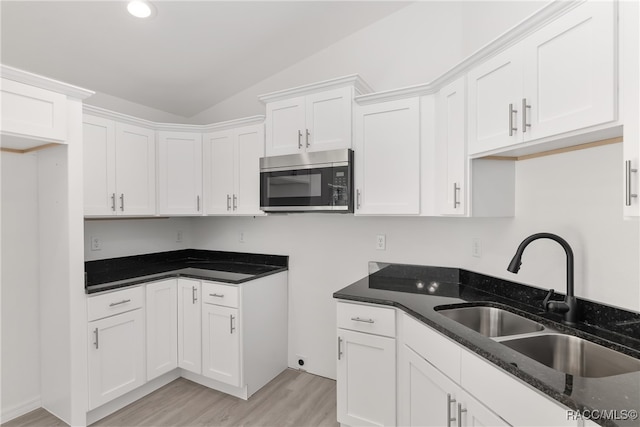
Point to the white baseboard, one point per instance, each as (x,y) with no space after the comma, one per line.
(18,410)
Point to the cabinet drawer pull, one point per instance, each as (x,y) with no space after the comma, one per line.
(511,121)
(307,140)
(231,325)
(460,412)
(525,106)
(197,203)
(299,139)
(339,348)
(124,301)
(456,191)
(228,202)
(235,202)
(217,295)
(627,182)
(113,202)
(449,402)
(95,332)
(194,294)
(122,202)
(358,319)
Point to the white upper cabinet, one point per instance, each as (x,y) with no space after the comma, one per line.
(316,117)
(561,78)
(321,121)
(180,173)
(119,168)
(387,158)
(33,112)
(232,170)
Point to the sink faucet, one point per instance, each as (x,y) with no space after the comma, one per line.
(569,307)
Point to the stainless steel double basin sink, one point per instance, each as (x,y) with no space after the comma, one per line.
(565,353)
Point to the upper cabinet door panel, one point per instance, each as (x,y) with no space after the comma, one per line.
(33,112)
(135,170)
(219,171)
(493,86)
(249,149)
(180,184)
(328,120)
(285,126)
(570,80)
(99,166)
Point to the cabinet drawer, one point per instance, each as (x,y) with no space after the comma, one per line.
(219,294)
(106,305)
(365,318)
(437,349)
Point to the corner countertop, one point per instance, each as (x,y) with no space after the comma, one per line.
(228,267)
(418,290)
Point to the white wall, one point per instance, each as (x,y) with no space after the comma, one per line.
(20,308)
(576,195)
(124,237)
(123,106)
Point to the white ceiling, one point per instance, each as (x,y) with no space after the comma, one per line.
(189,57)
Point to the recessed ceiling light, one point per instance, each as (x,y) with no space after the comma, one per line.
(140,8)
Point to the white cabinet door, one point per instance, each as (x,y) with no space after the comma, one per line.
(99,151)
(328,120)
(248,150)
(570,72)
(135,170)
(366,379)
(285,126)
(162,327)
(451,163)
(32,112)
(219,171)
(493,87)
(189,325)
(387,157)
(221,344)
(180,172)
(116,356)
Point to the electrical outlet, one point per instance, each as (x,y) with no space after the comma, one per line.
(476,247)
(241,237)
(179,236)
(96,243)
(301,362)
(381,242)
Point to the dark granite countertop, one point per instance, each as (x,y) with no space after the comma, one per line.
(418,290)
(229,267)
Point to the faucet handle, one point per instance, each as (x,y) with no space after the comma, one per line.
(545,302)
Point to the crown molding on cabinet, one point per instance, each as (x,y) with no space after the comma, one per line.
(530,24)
(361,87)
(177,127)
(28,78)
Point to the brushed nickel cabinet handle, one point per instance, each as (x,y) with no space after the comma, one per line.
(231,325)
(449,402)
(235,202)
(460,412)
(627,182)
(308,138)
(511,121)
(299,139)
(95,332)
(525,106)
(358,198)
(217,295)
(228,202)
(456,191)
(124,301)
(194,294)
(339,348)
(122,202)
(198,203)
(359,319)
(113,202)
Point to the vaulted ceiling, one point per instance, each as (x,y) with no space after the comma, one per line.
(189,56)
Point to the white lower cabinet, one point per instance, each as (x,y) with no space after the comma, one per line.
(221,344)
(189,325)
(366,377)
(428,398)
(162,327)
(116,345)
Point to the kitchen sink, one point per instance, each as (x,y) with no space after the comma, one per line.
(491,321)
(574,355)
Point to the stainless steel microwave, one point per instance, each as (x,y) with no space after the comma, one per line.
(311,182)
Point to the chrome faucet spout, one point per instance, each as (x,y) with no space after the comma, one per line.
(569,306)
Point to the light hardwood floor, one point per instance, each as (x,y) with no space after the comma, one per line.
(293,398)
